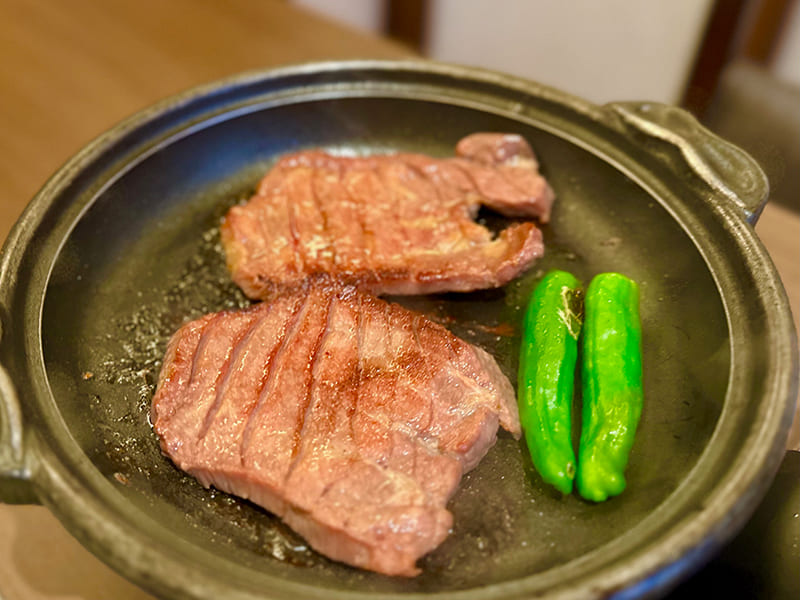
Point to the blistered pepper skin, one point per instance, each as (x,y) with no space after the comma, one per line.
(611,378)
(546,377)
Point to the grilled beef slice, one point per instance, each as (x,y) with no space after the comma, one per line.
(351,418)
(390,224)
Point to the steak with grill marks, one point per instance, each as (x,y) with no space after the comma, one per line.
(351,418)
(391,224)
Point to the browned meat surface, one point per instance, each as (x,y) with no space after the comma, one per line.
(351,418)
(393,224)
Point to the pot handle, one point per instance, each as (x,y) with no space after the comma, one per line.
(15,474)
(726,168)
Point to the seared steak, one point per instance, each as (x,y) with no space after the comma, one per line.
(394,224)
(351,418)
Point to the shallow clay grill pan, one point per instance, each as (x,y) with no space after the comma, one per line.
(121,246)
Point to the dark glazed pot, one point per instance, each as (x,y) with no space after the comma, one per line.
(121,246)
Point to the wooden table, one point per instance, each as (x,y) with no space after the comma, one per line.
(70,70)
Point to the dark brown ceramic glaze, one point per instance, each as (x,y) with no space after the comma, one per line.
(121,246)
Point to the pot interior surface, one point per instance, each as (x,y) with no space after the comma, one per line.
(145,257)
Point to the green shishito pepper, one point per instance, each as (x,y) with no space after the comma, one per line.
(611,375)
(546,377)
